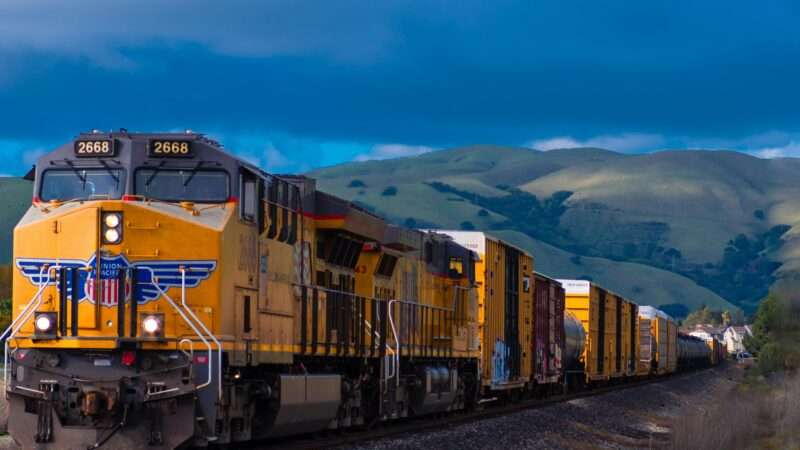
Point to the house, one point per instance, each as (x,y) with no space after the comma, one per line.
(706,332)
(734,338)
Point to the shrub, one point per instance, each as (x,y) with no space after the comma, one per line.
(467,225)
(390,191)
(356,183)
(483,213)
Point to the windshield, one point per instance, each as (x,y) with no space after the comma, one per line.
(80,183)
(191,185)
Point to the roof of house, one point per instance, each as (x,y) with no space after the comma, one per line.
(741,330)
(710,329)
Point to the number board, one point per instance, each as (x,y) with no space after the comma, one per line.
(94,148)
(161,148)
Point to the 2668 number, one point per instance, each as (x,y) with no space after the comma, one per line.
(170,148)
(93,148)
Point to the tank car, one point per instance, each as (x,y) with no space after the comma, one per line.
(693,352)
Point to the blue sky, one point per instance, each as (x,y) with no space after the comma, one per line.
(297,85)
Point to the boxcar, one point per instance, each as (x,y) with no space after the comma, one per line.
(672,345)
(662,355)
(548,325)
(611,335)
(504,275)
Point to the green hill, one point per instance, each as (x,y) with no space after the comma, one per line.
(15,198)
(685,227)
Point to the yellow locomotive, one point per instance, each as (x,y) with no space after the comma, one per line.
(169,294)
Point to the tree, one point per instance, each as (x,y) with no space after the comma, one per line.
(5,313)
(703,316)
(727,319)
(775,334)
(356,183)
(483,213)
(390,191)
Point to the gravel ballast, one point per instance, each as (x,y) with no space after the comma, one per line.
(636,417)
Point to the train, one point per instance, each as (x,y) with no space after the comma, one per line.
(167,294)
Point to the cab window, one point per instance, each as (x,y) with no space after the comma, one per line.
(80,184)
(188,185)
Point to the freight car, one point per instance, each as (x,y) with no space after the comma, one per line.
(657,349)
(168,293)
(548,344)
(610,322)
(693,353)
(505,289)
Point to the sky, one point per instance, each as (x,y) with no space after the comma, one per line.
(303,84)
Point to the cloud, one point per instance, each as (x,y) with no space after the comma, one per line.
(792,149)
(391,151)
(626,142)
(105,33)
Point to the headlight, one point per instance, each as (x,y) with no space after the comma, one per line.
(112,220)
(153,324)
(112,227)
(45,323)
(112,236)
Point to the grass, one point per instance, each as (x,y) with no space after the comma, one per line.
(758,414)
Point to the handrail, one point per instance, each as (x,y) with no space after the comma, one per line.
(21,319)
(190,353)
(207,331)
(169,300)
(396,353)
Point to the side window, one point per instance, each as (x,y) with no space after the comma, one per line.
(429,252)
(526,284)
(456,267)
(248,206)
(247,325)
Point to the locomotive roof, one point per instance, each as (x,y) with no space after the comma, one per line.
(131,150)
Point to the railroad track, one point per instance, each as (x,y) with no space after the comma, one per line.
(335,439)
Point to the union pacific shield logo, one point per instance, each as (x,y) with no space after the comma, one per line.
(167,275)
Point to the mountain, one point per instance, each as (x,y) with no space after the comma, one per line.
(678,228)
